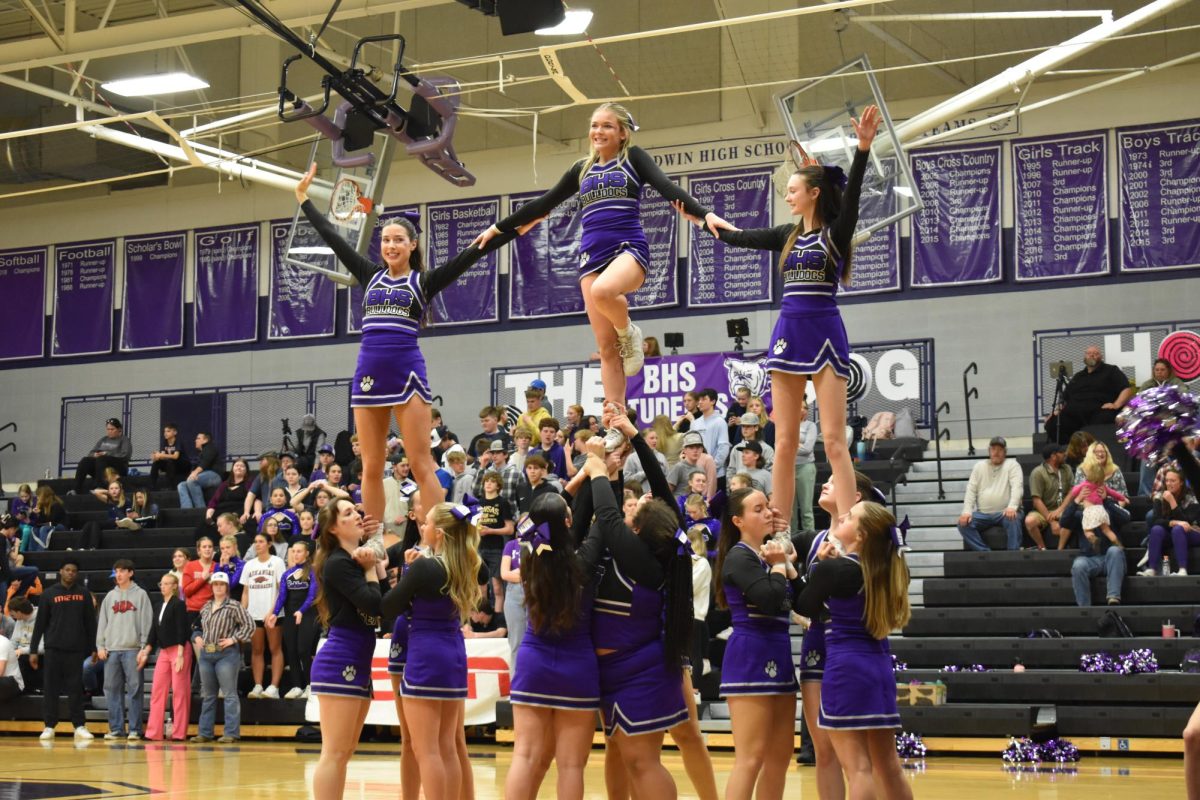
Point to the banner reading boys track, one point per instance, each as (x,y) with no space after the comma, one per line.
(1160,196)
(354,295)
(152,311)
(23,286)
(471,299)
(875,263)
(225,299)
(543,267)
(719,275)
(956,236)
(302,301)
(83,298)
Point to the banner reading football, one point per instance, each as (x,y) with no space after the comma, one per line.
(83,298)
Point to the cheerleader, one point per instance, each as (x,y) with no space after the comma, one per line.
(809,337)
(757,677)
(556,684)
(865,593)
(439,588)
(347,602)
(293,607)
(614,256)
(410,776)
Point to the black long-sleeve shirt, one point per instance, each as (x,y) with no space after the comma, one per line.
(353,601)
(66,618)
(583,505)
(765,590)
(425,577)
(833,577)
(171,628)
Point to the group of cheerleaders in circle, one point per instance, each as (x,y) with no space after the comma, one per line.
(608,591)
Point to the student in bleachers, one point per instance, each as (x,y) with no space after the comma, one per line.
(757,407)
(522,441)
(496,518)
(118,507)
(287,460)
(324,461)
(292,482)
(111,451)
(66,620)
(196,587)
(753,464)
(489,421)
(268,468)
(179,559)
(1176,518)
(24,615)
(231,494)
(169,461)
(21,507)
(173,669)
(1077,448)
(308,524)
(535,483)
(633,471)
(269,527)
(261,578)
(549,449)
(228,560)
(750,430)
(495,459)
(142,512)
(277,509)
(463,476)
(295,614)
(670,441)
(12,569)
(48,516)
(693,456)
(224,627)
(318,493)
(514,595)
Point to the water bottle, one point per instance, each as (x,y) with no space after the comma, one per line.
(1166,565)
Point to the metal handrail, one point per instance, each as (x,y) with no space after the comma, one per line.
(894,470)
(940,433)
(8,446)
(968,393)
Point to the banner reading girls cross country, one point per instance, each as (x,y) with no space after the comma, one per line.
(956,236)
(83,298)
(1061,220)
(225,299)
(471,299)
(23,287)
(875,265)
(719,275)
(302,301)
(543,267)
(1160,196)
(354,297)
(152,311)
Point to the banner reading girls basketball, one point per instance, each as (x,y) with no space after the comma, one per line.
(956,236)
(354,297)
(225,299)
(875,262)
(152,311)
(719,275)
(1061,221)
(543,268)
(471,299)
(83,298)
(302,301)
(23,286)
(1160,196)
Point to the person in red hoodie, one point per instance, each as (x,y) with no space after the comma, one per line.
(196,587)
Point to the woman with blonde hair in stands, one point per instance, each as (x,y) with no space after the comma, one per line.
(47,516)
(670,441)
(260,580)
(173,669)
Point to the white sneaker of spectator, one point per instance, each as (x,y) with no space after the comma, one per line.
(294,693)
(1180,572)
(256,693)
(271,692)
(47,734)
(128,524)
(83,734)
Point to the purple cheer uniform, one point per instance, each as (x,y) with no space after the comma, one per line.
(758,656)
(343,665)
(812,648)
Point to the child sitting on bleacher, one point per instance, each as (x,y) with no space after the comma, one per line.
(1091,494)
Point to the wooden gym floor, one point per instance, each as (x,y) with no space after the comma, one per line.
(31,770)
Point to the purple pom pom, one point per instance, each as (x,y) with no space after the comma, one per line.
(967,668)
(1059,751)
(898,665)
(910,745)
(1022,751)
(1155,419)
(1096,662)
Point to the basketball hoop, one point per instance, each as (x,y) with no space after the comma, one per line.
(798,155)
(348,200)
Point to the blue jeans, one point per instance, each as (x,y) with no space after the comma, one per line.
(219,670)
(191,491)
(24,576)
(123,684)
(1086,567)
(1013,528)
(39,540)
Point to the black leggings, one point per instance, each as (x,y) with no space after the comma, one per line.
(299,642)
(95,466)
(92,535)
(63,672)
(173,472)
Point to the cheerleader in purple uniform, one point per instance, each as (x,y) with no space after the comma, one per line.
(757,676)
(613,255)
(348,602)
(809,337)
(865,594)
(410,776)
(439,588)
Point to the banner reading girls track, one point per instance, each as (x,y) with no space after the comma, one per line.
(152,317)
(471,299)
(956,236)
(719,275)
(354,297)
(875,263)
(1160,196)
(83,298)
(23,286)
(225,299)
(302,301)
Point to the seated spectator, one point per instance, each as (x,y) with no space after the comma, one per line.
(1093,396)
(549,449)
(284,518)
(112,451)
(993,498)
(733,414)
(1077,448)
(204,475)
(1097,556)
(522,440)
(292,482)
(314,496)
(268,468)
(324,461)
(12,684)
(670,441)
(16,579)
(1092,494)
(47,517)
(118,507)
(224,627)
(634,471)
(535,483)
(531,420)
(693,456)
(1163,375)
(496,460)
(691,410)
(1048,488)
(1176,518)
(287,460)
(750,431)
(169,461)
(309,440)
(806,470)
(21,507)
(24,615)
(231,494)
(489,421)
(485,622)
(142,512)
(754,465)
(1098,457)
(758,407)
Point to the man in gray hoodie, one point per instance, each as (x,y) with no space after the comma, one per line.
(122,631)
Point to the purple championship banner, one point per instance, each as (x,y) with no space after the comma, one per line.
(303,302)
(83,298)
(354,297)
(470,300)
(152,309)
(225,300)
(956,236)
(1060,194)
(719,275)
(543,267)
(875,263)
(660,224)
(1159,169)
(23,286)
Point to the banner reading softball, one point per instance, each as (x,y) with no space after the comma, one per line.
(23,286)
(1160,196)
(83,298)
(875,262)
(719,275)
(354,296)
(302,301)
(471,299)
(152,311)
(225,299)
(543,267)
(956,236)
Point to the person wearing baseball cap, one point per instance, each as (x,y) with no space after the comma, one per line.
(112,450)
(993,498)
(751,427)
(224,627)
(324,461)
(1049,484)
(693,456)
(535,395)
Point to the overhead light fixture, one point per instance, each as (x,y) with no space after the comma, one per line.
(149,85)
(310,251)
(576,21)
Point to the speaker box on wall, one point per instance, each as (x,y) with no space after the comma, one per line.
(526,16)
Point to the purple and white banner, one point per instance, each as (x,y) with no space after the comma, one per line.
(83,298)
(1160,196)
(23,286)
(471,299)
(956,236)
(875,263)
(719,275)
(660,224)
(152,311)
(302,301)
(543,267)
(225,300)
(1061,206)
(354,297)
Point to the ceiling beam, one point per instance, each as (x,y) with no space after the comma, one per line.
(46,25)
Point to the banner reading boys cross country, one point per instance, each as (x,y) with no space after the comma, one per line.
(956,236)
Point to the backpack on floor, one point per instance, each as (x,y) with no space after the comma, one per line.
(1191,662)
(1112,626)
(881,426)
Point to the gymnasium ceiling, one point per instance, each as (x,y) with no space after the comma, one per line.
(61,46)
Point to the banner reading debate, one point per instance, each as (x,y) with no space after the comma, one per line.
(152,311)
(1061,220)
(719,275)
(302,301)
(543,267)
(23,286)
(354,296)
(225,300)
(1160,196)
(83,298)
(956,237)
(471,299)
(875,263)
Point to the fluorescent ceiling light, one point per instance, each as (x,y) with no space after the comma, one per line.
(573,22)
(149,85)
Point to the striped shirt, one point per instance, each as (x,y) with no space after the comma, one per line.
(226,621)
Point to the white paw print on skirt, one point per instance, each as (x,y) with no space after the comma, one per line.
(771,669)
(812,659)
(366,383)
(779,347)
(349,672)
